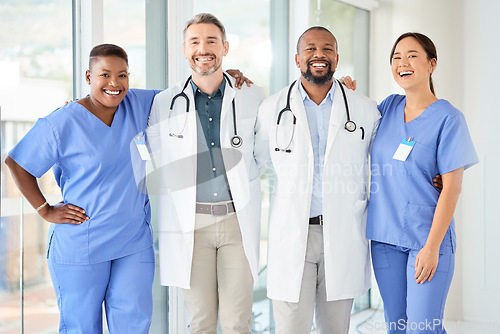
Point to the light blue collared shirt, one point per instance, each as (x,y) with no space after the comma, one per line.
(318,117)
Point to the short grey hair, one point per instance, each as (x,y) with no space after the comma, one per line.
(205,18)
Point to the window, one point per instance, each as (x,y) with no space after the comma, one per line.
(125,25)
(36,67)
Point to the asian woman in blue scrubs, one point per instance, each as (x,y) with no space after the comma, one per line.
(410,222)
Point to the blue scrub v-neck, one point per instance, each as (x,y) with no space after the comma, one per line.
(96,167)
(402,195)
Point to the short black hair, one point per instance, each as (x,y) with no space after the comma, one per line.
(317,28)
(103,50)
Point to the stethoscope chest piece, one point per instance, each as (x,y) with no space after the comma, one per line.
(350,126)
(236,141)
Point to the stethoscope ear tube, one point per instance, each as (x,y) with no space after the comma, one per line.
(236,141)
(287,108)
(349,125)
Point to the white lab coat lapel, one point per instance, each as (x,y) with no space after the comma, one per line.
(192,121)
(226,117)
(337,119)
(297,106)
(184,199)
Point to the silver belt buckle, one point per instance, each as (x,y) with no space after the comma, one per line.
(321,220)
(218,209)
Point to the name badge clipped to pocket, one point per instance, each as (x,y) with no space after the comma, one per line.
(404,149)
(140,142)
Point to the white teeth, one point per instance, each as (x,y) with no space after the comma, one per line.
(405,73)
(318,65)
(204,59)
(112,92)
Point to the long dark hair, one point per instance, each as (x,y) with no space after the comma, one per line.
(426,43)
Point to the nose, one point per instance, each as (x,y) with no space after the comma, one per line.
(113,81)
(319,53)
(403,62)
(203,46)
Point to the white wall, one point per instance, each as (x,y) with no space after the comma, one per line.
(465,34)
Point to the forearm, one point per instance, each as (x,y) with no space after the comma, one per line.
(445,208)
(26,183)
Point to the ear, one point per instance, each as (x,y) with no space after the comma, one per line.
(297,60)
(433,65)
(184,50)
(87,76)
(226,47)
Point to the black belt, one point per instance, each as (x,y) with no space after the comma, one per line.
(316,220)
(218,209)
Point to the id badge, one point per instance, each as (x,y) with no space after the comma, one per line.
(404,149)
(140,142)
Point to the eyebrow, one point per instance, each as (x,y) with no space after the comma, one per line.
(196,37)
(314,44)
(397,53)
(105,70)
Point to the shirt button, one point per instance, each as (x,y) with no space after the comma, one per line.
(210,119)
(214,169)
(215,194)
(209,97)
(212,143)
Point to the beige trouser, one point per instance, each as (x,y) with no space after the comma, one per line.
(221,280)
(332,317)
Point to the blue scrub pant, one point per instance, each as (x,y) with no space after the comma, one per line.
(410,307)
(123,284)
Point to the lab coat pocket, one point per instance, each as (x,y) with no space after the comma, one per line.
(351,149)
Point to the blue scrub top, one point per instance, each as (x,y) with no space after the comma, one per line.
(402,196)
(94,167)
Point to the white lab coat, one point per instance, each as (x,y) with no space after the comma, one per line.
(178,163)
(346,250)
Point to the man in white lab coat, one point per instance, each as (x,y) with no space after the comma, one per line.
(209,200)
(318,255)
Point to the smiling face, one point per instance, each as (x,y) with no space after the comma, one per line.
(108,79)
(411,67)
(317,56)
(204,48)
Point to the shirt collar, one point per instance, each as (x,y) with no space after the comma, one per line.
(329,95)
(219,90)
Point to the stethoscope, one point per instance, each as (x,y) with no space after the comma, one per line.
(350,126)
(236,140)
